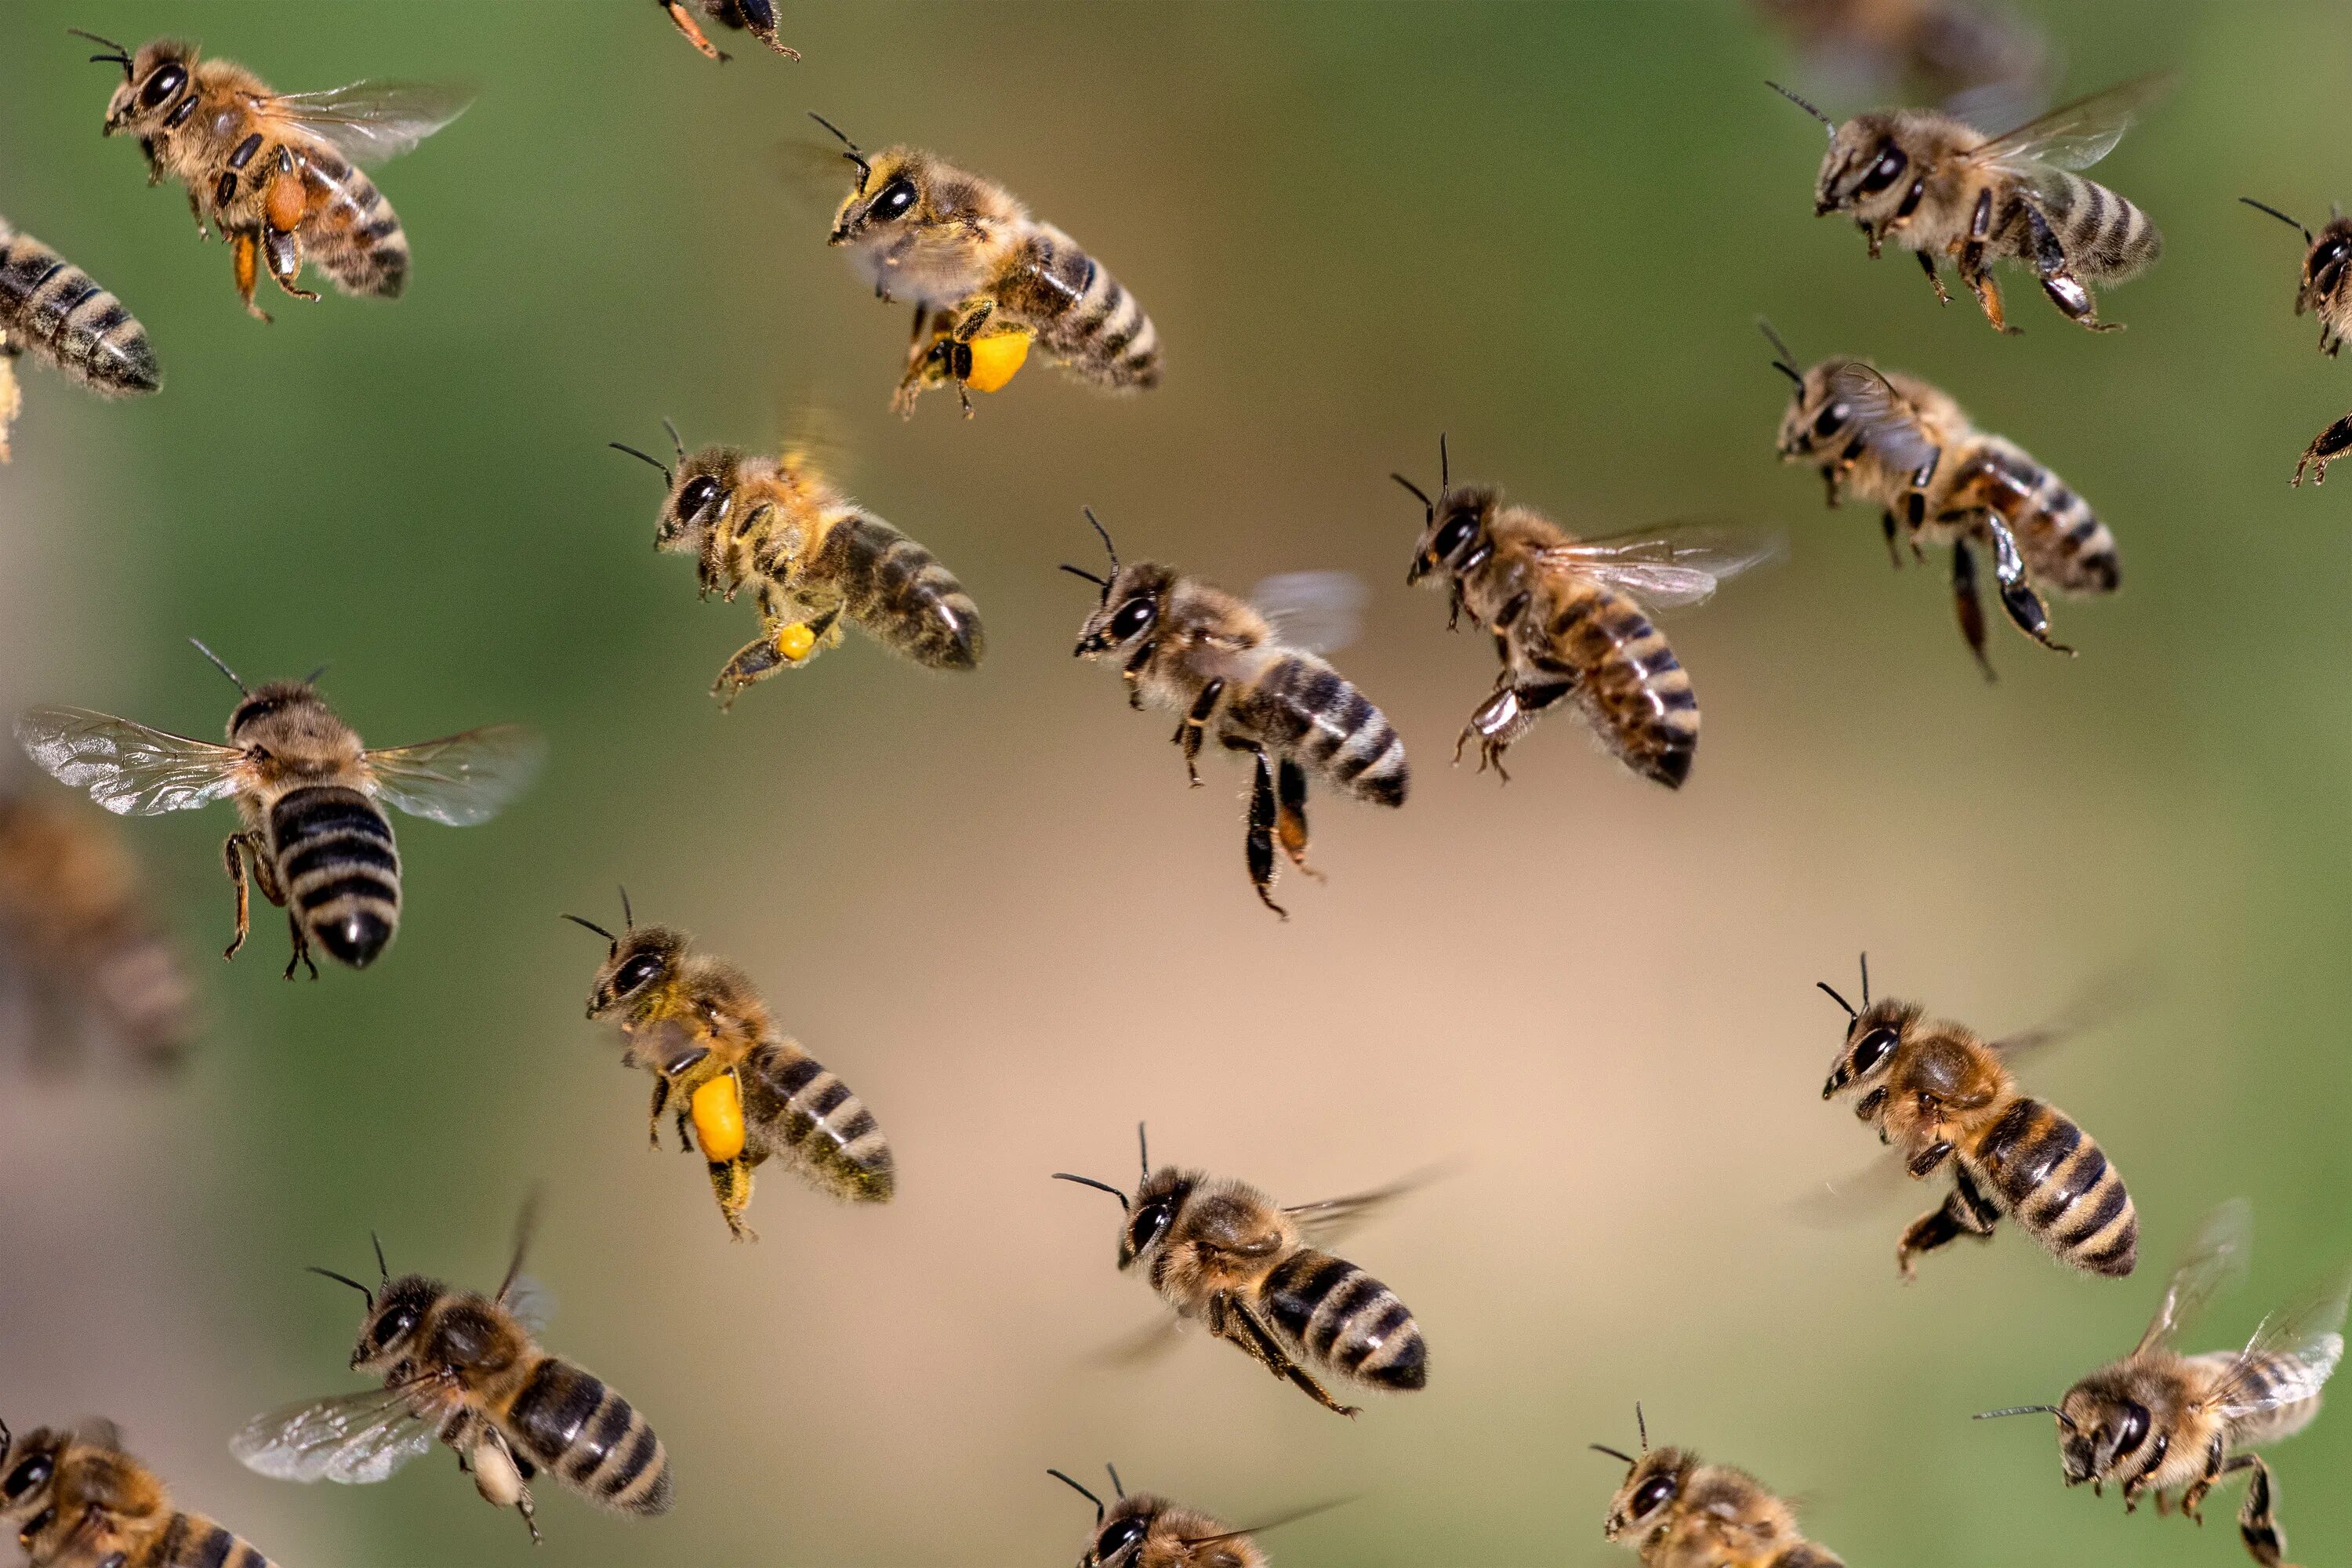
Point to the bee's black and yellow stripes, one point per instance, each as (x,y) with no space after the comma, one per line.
(2065,545)
(807,1112)
(2057,1182)
(349,230)
(1628,679)
(192,1541)
(901,592)
(588,1436)
(1340,1317)
(54,308)
(1080,313)
(2104,235)
(1303,709)
(337,867)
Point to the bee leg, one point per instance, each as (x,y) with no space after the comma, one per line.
(653,1119)
(2257,1525)
(301,947)
(1195,724)
(685,1138)
(2018,595)
(1964,1212)
(1132,672)
(685,24)
(732,1181)
(1830,477)
(1925,1163)
(1987,288)
(233,853)
(1970,608)
(1230,1319)
(245,257)
(1935,278)
(195,211)
(1290,815)
(1886,526)
(2326,448)
(1259,840)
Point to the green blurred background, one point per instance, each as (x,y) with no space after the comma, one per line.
(992,904)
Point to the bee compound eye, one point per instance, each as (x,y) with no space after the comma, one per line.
(161,84)
(1458,532)
(1892,162)
(2133,1429)
(1832,419)
(1872,1050)
(636,972)
(26,1477)
(1134,618)
(1121,1535)
(698,493)
(1653,1495)
(896,198)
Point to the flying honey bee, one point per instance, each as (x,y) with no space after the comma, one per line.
(1940,188)
(2320,290)
(1572,618)
(274,171)
(51,309)
(1144,1530)
(2158,1421)
(701,1028)
(816,558)
(1255,673)
(1939,1092)
(1224,1254)
(987,279)
(1675,1512)
(79,943)
(1894,440)
(75,1499)
(757,16)
(465,1368)
(311,799)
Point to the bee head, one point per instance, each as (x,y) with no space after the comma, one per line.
(1814,414)
(1129,603)
(1865,168)
(1652,1481)
(701,491)
(393,1331)
(156,82)
(1871,1035)
(2323,267)
(1118,1527)
(2103,1431)
(633,961)
(28,1468)
(1159,1198)
(889,197)
(1453,537)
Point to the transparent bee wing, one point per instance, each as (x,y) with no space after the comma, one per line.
(1856,1197)
(354,1439)
(1326,1221)
(100,1431)
(1881,416)
(2215,1260)
(816,176)
(1669,567)
(2075,136)
(2125,988)
(2292,1355)
(1143,1346)
(531,1303)
(458,780)
(1317,612)
(369,121)
(130,769)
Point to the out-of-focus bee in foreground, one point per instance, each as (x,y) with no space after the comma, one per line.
(1144,1530)
(1224,1254)
(815,559)
(757,17)
(1895,441)
(987,279)
(701,1028)
(75,1499)
(1572,618)
(1254,673)
(2320,290)
(1675,1512)
(275,172)
(80,949)
(465,1368)
(1940,188)
(310,795)
(1940,1092)
(2158,1421)
(1986,65)
(52,310)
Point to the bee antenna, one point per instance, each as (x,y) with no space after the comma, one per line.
(2065,1420)
(343,1279)
(120,56)
(1107,545)
(592,925)
(1091,1182)
(312,679)
(628,916)
(223,668)
(1613,1453)
(1056,1474)
(854,154)
(1642,1426)
(671,425)
(1808,108)
(2261,206)
(1143,1148)
(632,451)
(380,1267)
(1865,980)
(1102,583)
(1824,985)
(1444,473)
(1427,505)
(525,1223)
(1115,1485)
(1786,363)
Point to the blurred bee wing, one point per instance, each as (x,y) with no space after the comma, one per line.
(130,769)
(458,780)
(816,176)
(354,1439)
(1145,1345)
(2308,1335)
(531,1303)
(1669,567)
(2075,136)
(369,121)
(2216,1258)
(1326,1221)
(100,1431)
(2123,989)
(1317,612)
(1834,1205)
(1881,416)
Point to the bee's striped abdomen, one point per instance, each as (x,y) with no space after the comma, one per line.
(339,870)
(1342,1318)
(192,1541)
(2065,545)
(1081,314)
(899,592)
(51,307)
(2104,235)
(349,230)
(1628,682)
(797,1108)
(591,1438)
(1303,709)
(2057,1184)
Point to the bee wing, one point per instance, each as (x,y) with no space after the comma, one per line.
(352,1438)
(1143,1346)
(1834,1205)
(1316,612)
(369,121)
(1326,1221)
(1881,416)
(816,176)
(1671,565)
(130,769)
(530,1303)
(2075,136)
(2216,1258)
(458,780)
(2291,1356)
(2125,988)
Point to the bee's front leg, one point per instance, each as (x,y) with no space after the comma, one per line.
(653,1118)
(1195,725)
(2326,448)
(1133,671)
(244,260)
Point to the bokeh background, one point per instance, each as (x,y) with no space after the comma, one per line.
(994,907)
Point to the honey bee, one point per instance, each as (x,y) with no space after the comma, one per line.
(1894,440)
(2320,291)
(52,310)
(1938,187)
(1572,618)
(1145,1530)
(465,1368)
(1254,672)
(76,1499)
(758,15)
(816,558)
(2175,1425)
(1224,1254)
(308,795)
(1675,1512)
(1939,1092)
(987,279)
(700,1027)
(274,171)
(77,939)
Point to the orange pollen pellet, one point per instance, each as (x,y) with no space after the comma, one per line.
(718,1119)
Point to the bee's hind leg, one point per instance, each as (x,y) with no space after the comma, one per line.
(1964,1212)
(1259,841)
(301,947)
(2326,448)
(730,1180)
(233,854)
(1936,279)
(1290,815)
(245,259)
(2018,595)
(2257,1524)
(1968,606)
(781,645)
(1229,1318)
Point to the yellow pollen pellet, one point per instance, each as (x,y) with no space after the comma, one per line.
(718,1119)
(995,359)
(793,642)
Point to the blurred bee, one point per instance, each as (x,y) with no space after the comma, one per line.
(78,941)
(1144,1530)
(2175,1425)
(700,1027)
(1675,1512)
(1223,1253)
(1571,619)
(987,280)
(274,171)
(465,1368)
(1978,61)
(758,15)
(816,558)
(1254,672)
(311,797)
(51,309)
(1938,187)
(1937,1092)
(2321,291)
(76,1499)
(1898,442)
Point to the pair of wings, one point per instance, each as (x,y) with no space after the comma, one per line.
(367,122)
(1881,416)
(2305,1336)
(2073,136)
(134,771)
